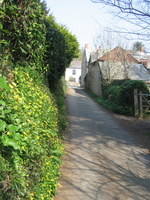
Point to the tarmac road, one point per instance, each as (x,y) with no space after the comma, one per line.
(102,161)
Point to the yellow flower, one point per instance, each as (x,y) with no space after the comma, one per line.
(11,86)
(15,107)
(14,84)
(16,97)
(15,72)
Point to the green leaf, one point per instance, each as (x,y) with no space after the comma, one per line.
(12,128)
(7,111)
(2,125)
(3,103)
(57,159)
(1,25)
(58,152)
(17,136)
(4,84)
(18,122)
(5,31)
(23,51)
(10,142)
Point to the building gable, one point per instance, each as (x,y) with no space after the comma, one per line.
(118,54)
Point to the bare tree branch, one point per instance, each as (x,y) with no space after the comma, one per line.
(136,12)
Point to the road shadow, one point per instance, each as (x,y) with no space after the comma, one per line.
(101,158)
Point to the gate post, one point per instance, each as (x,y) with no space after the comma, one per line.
(136,110)
(141,104)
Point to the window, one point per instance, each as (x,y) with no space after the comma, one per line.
(73,72)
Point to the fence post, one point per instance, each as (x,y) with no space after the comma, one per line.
(141,104)
(136,110)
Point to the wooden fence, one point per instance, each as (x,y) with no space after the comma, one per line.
(141,103)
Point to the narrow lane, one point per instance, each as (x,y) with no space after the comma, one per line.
(102,161)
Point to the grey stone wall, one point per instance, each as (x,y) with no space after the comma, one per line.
(93,79)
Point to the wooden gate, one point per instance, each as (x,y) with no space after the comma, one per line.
(141,103)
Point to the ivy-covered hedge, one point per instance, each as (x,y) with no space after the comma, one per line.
(22,32)
(30,145)
(55,56)
(61,48)
(120,98)
(127,91)
(32,115)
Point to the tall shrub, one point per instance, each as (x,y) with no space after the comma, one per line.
(22,32)
(55,57)
(127,91)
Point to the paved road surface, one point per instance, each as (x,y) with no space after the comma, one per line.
(102,161)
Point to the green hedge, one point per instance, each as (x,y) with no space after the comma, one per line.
(120,98)
(30,142)
(31,116)
(127,91)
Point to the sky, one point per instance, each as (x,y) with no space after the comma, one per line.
(83,18)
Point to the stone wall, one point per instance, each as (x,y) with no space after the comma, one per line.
(93,79)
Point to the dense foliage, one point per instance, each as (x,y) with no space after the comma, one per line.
(127,91)
(55,56)
(120,98)
(32,116)
(61,48)
(30,147)
(23,33)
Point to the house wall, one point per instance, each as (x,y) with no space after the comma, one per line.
(83,69)
(93,79)
(120,71)
(115,71)
(73,74)
(85,61)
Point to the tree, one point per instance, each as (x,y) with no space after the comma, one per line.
(44,7)
(118,66)
(55,56)
(136,12)
(115,65)
(137,46)
(71,43)
(61,48)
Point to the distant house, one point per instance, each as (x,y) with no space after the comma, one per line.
(141,57)
(109,65)
(119,64)
(73,72)
(84,65)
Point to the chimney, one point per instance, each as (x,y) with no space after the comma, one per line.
(100,51)
(100,47)
(142,49)
(86,46)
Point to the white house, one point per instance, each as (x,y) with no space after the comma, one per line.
(73,72)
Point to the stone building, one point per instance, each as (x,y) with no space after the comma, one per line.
(103,66)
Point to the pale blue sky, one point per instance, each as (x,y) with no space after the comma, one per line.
(85,19)
(80,17)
